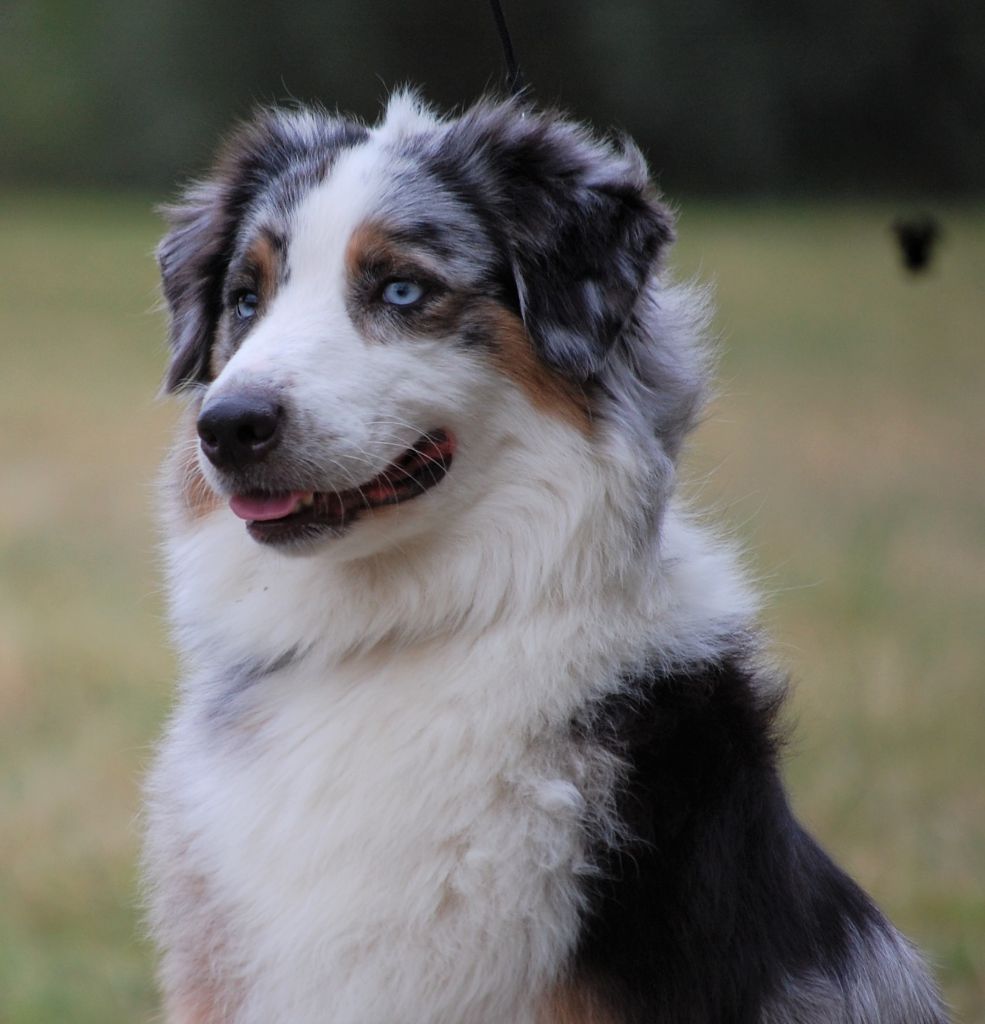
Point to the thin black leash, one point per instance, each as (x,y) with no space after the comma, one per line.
(514,80)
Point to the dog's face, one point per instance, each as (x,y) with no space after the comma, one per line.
(372,318)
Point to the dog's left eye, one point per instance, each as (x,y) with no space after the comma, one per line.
(246,305)
(403,293)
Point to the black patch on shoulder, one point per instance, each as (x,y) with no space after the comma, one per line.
(717,893)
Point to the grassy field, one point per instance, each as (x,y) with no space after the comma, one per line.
(845,450)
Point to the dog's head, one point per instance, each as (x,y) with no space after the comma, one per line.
(362,313)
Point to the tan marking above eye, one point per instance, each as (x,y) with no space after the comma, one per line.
(369,245)
(373,249)
(264,257)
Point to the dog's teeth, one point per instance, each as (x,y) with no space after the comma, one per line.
(304,501)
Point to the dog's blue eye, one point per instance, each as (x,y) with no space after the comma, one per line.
(246,305)
(403,293)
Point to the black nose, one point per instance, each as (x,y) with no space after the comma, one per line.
(240,430)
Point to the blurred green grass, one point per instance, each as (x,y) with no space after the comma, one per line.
(845,451)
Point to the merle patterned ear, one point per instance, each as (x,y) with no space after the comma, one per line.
(579,286)
(276,147)
(583,226)
(193,257)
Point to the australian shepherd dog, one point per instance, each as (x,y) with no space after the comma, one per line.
(475,724)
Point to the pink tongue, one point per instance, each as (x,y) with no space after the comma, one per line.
(265,506)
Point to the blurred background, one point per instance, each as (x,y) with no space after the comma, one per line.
(729,97)
(845,448)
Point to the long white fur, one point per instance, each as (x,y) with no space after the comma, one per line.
(386,828)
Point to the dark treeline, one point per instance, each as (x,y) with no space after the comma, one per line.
(858,97)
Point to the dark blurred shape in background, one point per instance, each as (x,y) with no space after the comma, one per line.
(849,97)
(916,237)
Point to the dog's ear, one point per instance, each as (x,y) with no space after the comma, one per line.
(194,256)
(583,227)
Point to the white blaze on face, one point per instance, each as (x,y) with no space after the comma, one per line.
(336,385)
(307,324)
(354,403)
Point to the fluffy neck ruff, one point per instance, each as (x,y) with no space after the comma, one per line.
(582,549)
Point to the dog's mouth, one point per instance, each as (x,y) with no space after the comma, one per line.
(277,517)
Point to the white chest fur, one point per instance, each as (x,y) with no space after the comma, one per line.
(387,842)
(393,836)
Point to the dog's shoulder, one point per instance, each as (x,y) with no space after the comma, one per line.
(713,903)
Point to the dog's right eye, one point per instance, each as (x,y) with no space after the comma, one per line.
(246,304)
(403,292)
